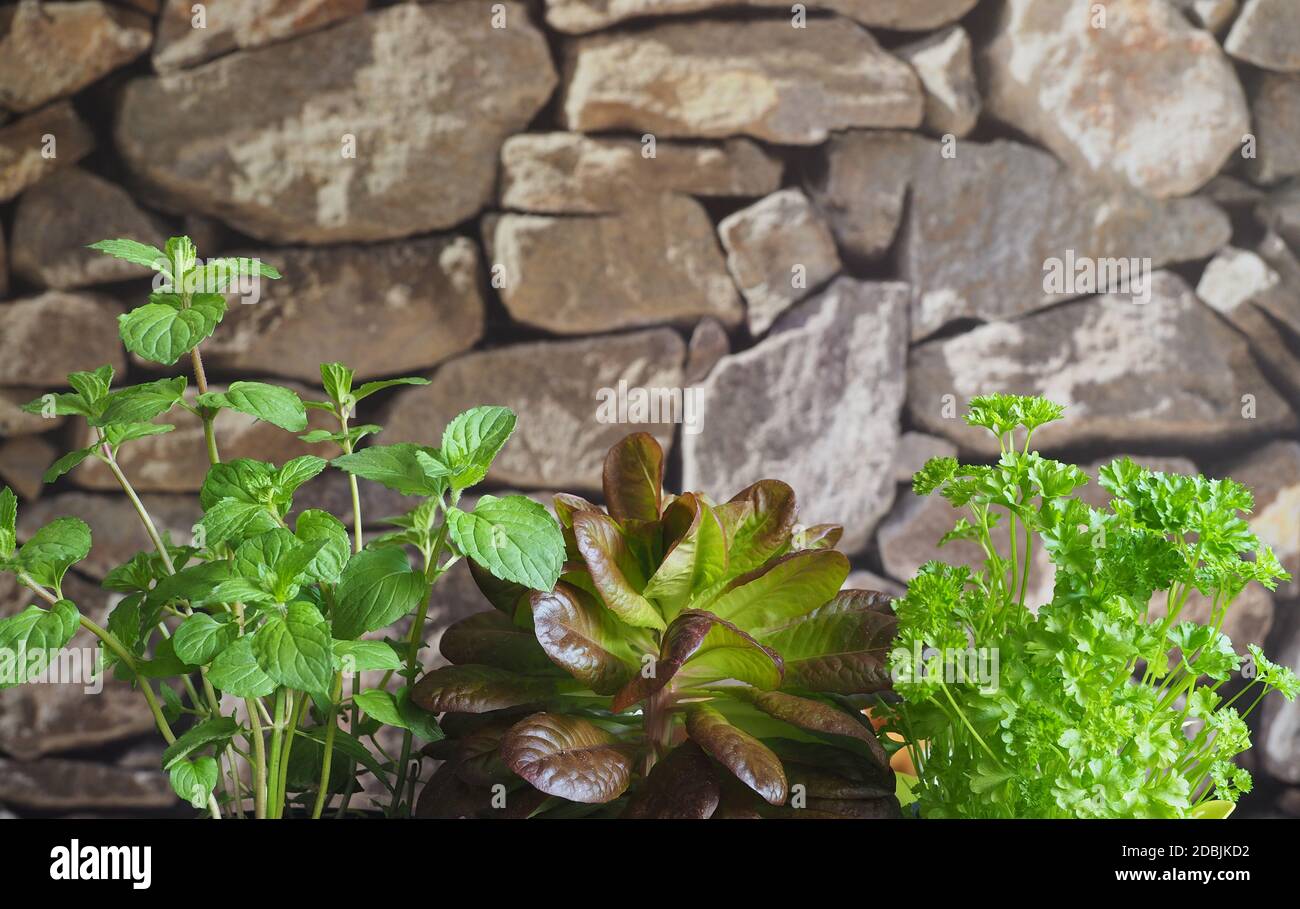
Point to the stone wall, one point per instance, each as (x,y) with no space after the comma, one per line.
(826,226)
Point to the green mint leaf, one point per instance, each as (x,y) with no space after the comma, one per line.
(194,781)
(215,732)
(382,706)
(201,637)
(243,479)
(269,403)
(92,386)
(370,388)
(141,403)
(472,440)
(118,433)
(297,471)
(136,252)
(336,379)
(66,463)
(404,467)
(8,522)
(35,630)
(357,656)
(53,549)
(231,519)
(163,333)
(376,589)
(295,649)
(235,671)
(315,526)
(514,538)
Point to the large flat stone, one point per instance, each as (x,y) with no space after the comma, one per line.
(38,144)
(50,50)
(943,63)
(1169,371)
(1279,738)
(53,784)
(759,78)
(1275,111)
(72,331)
(657,262)
(23,462)
(1267,34)
(382,309)
(239,24)
(558,173)
(983,226)
(409,85)
(1259,294)
(59,217)
(555,387)
(779,250)
(577,16)
(1099,97)
(829,379)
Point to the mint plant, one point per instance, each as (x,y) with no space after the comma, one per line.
(1103,708)
(695,660)
(250,632)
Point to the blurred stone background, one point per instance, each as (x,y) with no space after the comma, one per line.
(828,225)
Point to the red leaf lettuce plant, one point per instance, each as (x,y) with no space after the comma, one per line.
(695,660)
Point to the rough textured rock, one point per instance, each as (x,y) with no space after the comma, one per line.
(52,784)
(658,261)
(709,344)
(4,266)
(914,449)
(1273,473)
(23,462)
(829,379)
(556,387)
(556,173)
(1279,738)
(73,331)
(712,79)
(1049,73)
(1212,15)
(407,85)
(1275,110)
(861,187)
(57,218)
(577,16)
(14,421)
(383,310)
(38,144)
(178,461)
(1194,374)
(983,226)
(1255,298)
(115,528)
(1267,34)
(49,50)
(779,250)
(1281,212)
(36,720)
(240,24)
(943,64)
